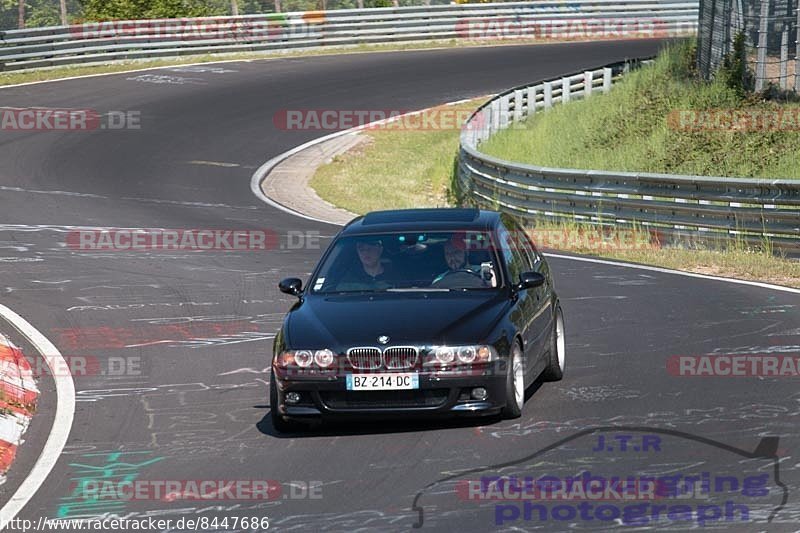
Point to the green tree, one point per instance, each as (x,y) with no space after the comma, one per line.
(8,14)
(144,9)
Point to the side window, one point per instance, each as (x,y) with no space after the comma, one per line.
(520,241)
(514,257)
(526,247)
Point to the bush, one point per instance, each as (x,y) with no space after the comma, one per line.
(733,72)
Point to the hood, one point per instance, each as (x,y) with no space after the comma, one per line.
(342,321)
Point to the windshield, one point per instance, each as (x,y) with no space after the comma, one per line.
(438,261)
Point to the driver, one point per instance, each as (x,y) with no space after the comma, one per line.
(455,255)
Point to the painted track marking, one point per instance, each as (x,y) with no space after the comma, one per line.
(62,424)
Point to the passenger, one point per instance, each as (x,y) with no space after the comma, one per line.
(371,272)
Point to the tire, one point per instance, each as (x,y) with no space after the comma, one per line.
(515,384)
(280,424)
(556,358)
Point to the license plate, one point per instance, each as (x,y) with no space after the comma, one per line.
(382,381)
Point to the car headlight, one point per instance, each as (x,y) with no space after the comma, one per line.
(444,355)
(303,358)
(466,355)
(323,358)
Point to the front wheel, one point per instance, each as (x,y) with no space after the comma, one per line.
(556,359)
(515,384)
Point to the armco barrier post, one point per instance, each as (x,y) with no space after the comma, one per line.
(518,114)
(548,95)
(565,90)
(532,91)
(503,115)
(606,79)
(587,83)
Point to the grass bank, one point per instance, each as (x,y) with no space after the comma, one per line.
(661,119)
(399,166)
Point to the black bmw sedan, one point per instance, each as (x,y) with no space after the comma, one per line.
(420,312)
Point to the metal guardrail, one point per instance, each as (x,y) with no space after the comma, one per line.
(706,208)
(542,20)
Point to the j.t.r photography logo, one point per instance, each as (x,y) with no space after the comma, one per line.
(606,476)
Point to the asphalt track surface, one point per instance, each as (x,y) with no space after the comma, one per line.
(199,410)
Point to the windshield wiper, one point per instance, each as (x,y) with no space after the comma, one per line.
(419,289)
(359,291)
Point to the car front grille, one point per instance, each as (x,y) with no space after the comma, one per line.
(400,357)
(390,399)
(364,358)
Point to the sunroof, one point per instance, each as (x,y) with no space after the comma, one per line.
(421,215)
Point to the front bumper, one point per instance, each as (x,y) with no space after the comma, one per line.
(439,394)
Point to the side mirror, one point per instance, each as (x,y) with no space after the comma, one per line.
(293,286)
(529,280)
